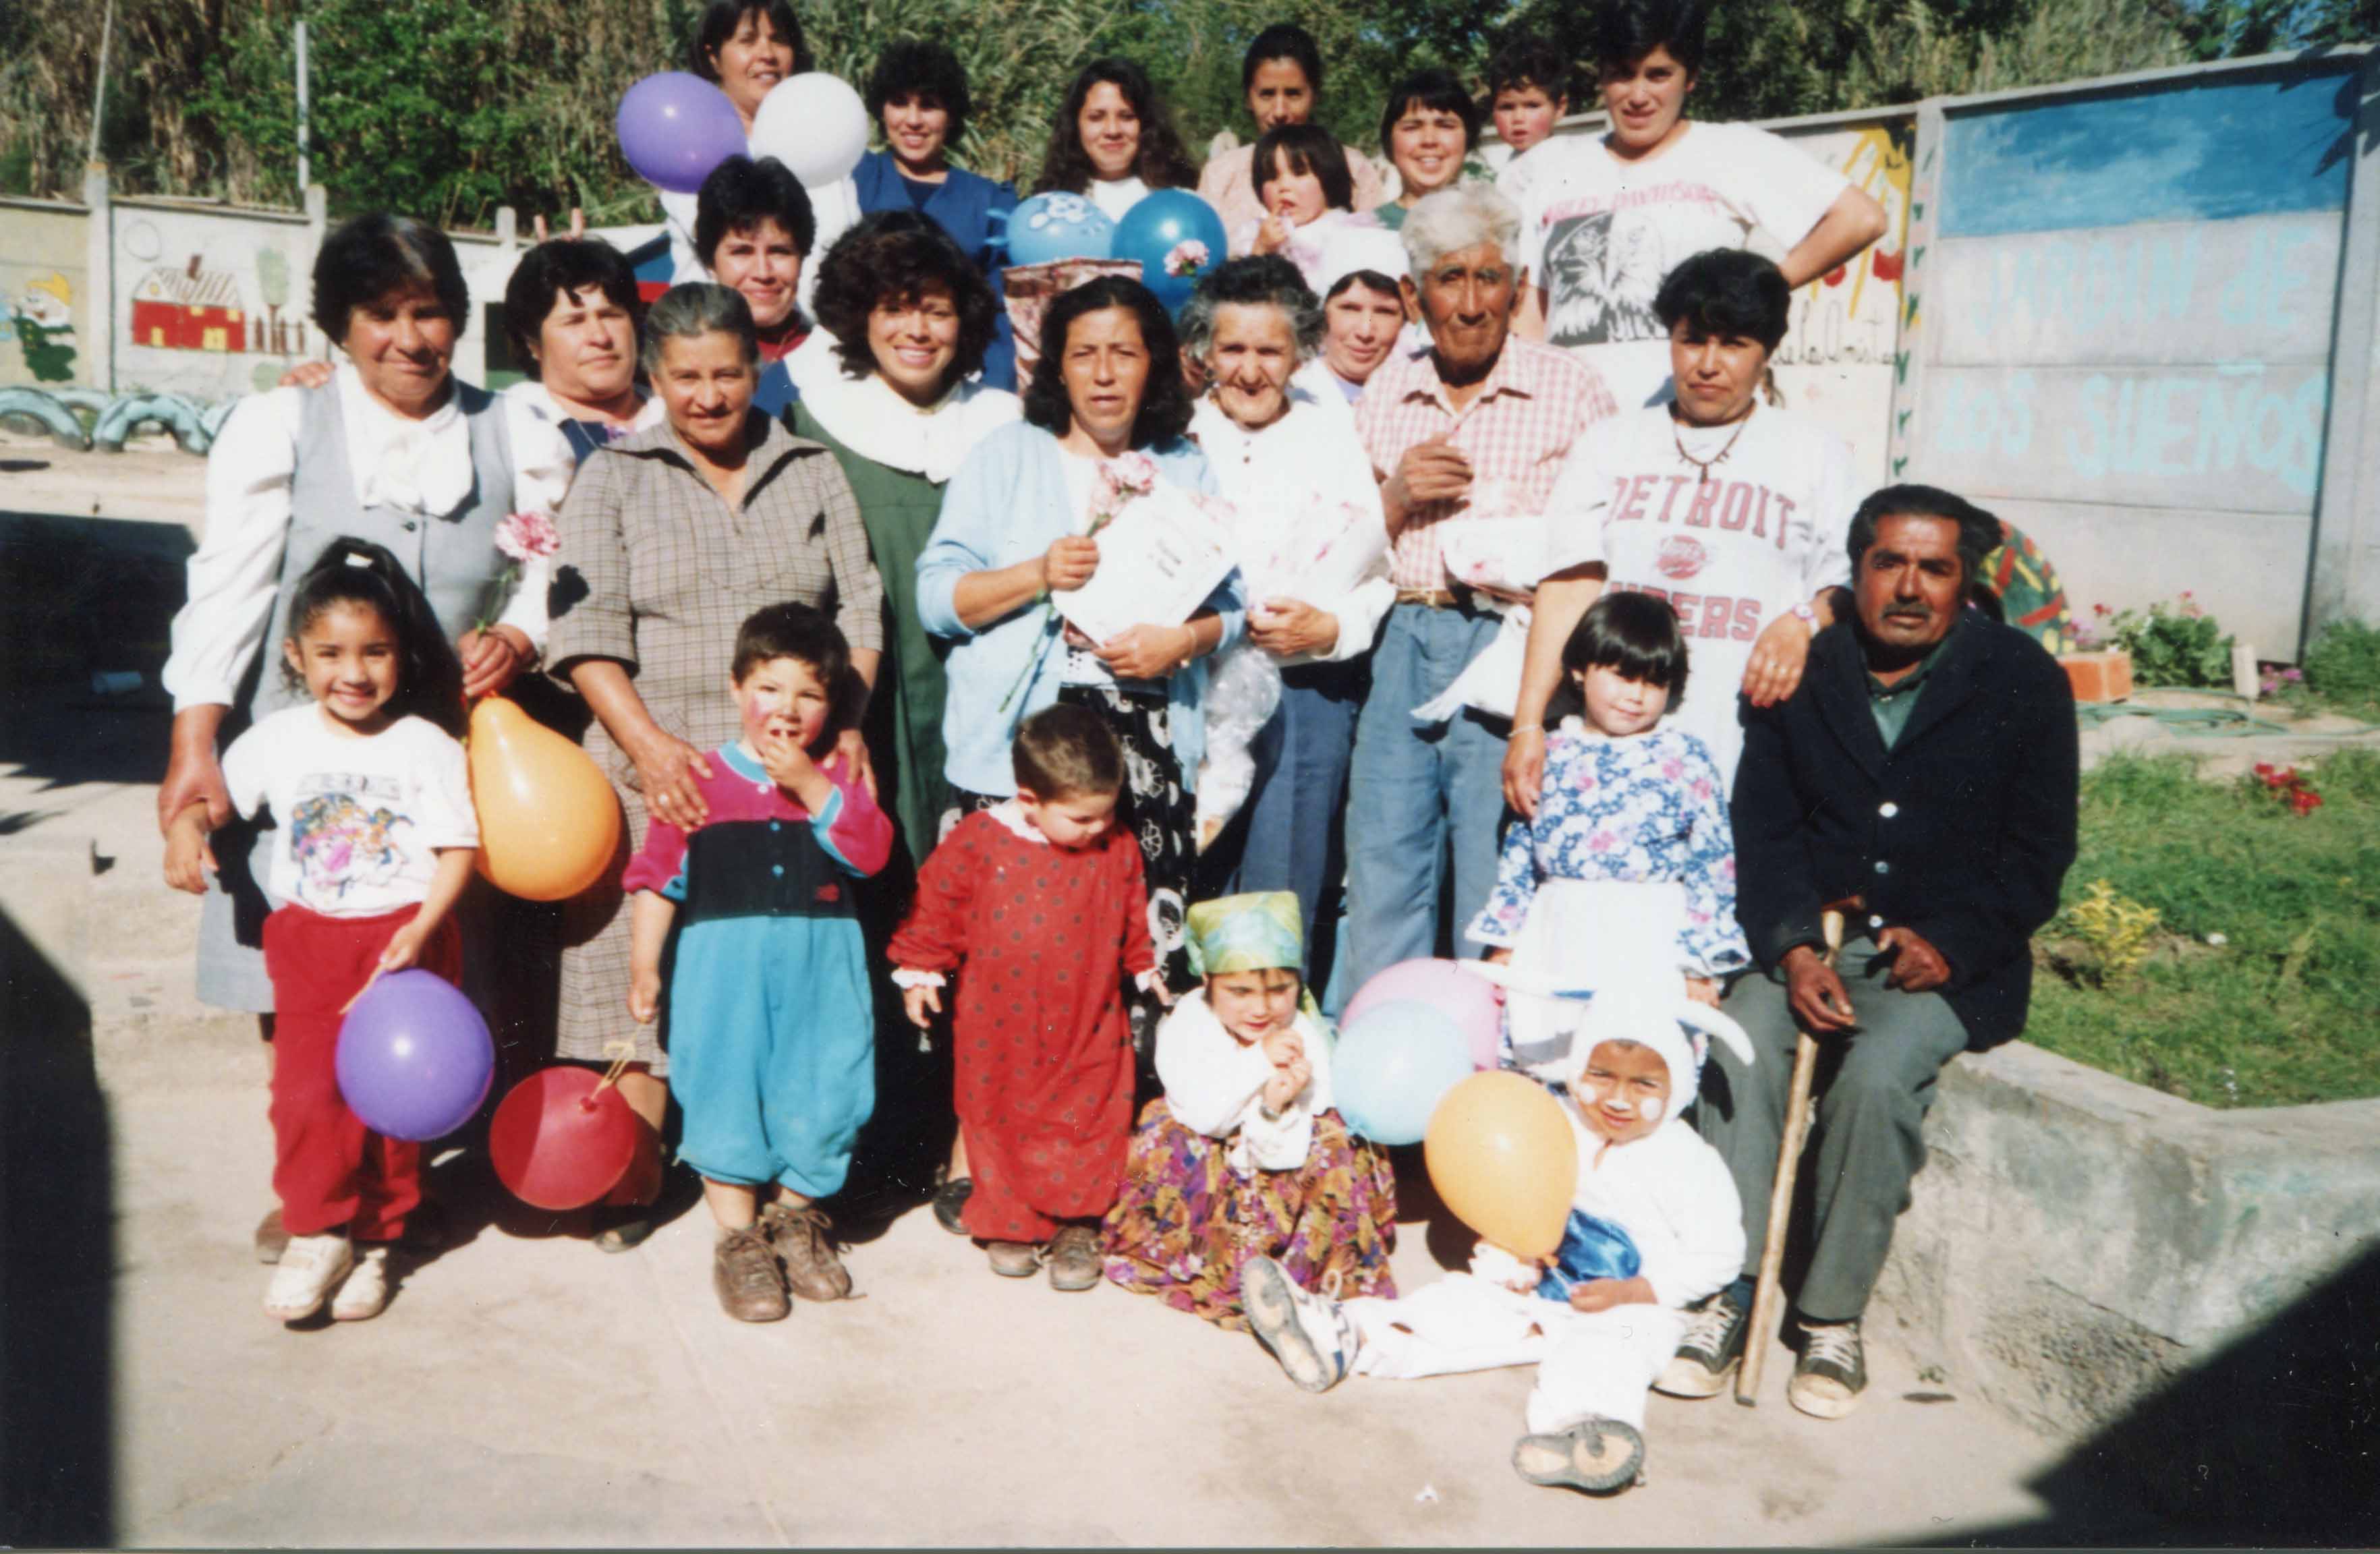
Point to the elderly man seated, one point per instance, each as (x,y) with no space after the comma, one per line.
(1476,427)
(1923,781)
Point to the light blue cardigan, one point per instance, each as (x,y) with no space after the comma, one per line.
(1008,502)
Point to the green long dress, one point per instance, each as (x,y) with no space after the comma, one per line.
(904,716)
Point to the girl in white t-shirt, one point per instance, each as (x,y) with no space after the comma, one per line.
(1604,221)
(375,843)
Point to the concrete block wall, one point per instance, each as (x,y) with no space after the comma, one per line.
(2077,1242)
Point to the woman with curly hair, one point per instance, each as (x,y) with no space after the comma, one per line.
(1104,418)
(1114,141)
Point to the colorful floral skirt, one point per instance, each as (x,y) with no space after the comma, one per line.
(1187,1221)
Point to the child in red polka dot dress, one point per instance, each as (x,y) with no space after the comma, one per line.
(1038,906)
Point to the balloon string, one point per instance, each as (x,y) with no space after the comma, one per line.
(611,1075)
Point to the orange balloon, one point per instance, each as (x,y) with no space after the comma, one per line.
(1502,1156)
(548,821)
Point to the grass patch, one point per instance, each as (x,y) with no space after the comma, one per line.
(2285,1009)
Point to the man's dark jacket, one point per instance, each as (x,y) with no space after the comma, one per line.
(1962,831)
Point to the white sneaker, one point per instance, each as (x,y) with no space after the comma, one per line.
(311,1268)
(1310,1336)
(365,1294)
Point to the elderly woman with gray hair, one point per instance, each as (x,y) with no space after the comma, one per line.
(1312,551)
(670,538)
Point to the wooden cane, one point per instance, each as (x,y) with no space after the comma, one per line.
(1764,1298)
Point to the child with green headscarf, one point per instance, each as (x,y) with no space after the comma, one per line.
(1242,1157)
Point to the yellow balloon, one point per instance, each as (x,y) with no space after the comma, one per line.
(1502,1156)
(548,821)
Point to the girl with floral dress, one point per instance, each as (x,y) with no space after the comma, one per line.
(1244,1156)
(1630,846)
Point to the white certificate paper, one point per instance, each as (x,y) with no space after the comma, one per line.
(1158,561)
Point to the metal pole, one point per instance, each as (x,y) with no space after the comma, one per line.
(99,93)
(305,169)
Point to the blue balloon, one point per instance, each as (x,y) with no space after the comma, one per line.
(1156,231)
(414,1058)
(1394,1065)
(1053,226)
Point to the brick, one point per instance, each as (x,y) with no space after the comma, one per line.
(2099,677)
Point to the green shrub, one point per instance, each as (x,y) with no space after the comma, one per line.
(2342,667)
(2177,644)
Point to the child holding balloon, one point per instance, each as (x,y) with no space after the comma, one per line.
(1244,1154)
(1630,845)
(1652,1225)
(772,1047)
(375,843)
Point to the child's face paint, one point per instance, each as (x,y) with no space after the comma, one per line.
(1070,821)
(348,656)
(783,696)
(1254,1004)
(1625,1092)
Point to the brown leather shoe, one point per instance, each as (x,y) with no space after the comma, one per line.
(799,1235)
(1075,1257)
(744,1271)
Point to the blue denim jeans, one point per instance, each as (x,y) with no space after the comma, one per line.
(1425,801)
(1290,838)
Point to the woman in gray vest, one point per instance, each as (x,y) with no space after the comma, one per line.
(393,450)
(671,537)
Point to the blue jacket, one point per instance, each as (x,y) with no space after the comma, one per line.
(973,211)
(1007,503)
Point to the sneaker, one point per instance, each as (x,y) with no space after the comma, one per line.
(743,1272)
(364,1294)
(799,1236)
(272,1237)
(1832,1371)
(1594,1456)
(1309,1335)
(1014,1259)
(1074,1258)
(311,1268)
(1709,1353)
(949,1203)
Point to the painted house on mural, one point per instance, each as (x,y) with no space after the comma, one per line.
(188,310)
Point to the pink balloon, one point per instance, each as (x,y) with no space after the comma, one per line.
(1468,1000)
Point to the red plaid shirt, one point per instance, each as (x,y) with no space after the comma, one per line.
(1517,433)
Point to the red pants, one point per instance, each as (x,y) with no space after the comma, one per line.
(328,1168)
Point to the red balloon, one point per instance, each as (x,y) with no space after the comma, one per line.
(559,1142)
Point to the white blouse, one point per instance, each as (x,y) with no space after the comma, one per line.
(1115,196)
(1298,488)
(419,465)
(871,419)
(1214,1084)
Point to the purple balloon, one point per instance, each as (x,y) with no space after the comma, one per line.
(676,128)
(1470,1000)
(414,1058)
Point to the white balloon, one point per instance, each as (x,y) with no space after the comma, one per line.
(814,124)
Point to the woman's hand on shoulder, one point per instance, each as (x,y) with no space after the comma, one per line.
(666,772)
(850,754)
(1778,655)
(306,375)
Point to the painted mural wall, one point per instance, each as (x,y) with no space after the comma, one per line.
(1837,361)
(209,303)
(46,303)
(2127,333)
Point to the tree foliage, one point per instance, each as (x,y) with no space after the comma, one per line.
(449,108)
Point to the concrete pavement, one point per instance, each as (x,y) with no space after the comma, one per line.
(523,1389)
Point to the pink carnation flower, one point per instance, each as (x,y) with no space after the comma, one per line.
(527,537)
(1186,258)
